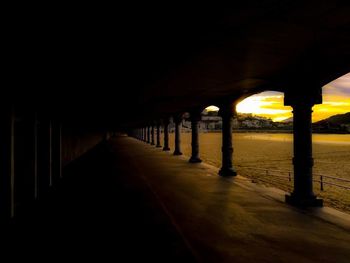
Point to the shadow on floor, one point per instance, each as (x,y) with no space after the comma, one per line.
(97,211)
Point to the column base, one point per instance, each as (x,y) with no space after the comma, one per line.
(195,160)
(298,201)
(152,143)
(158,146)
(166,149)
(177,153)
(227,172)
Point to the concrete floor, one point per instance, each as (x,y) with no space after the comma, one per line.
(233,220)
(127,201)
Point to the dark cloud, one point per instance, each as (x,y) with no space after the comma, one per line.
(269,94)
(340,86)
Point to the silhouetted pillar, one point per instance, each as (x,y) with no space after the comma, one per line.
(7,163)
(227,112)
(166,136)
(152,135)
(177,121)
(50,155)
(25,181)
(303,162)
(44,155)
(195,118)
(56,151)
(158,136)
(60,152)
(36,177)
(148,134)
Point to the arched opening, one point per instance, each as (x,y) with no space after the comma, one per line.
(263,139)
(271,162)
(331,144)
(267,104)
(336,99)
(209,128)
(211,121)
(210,135)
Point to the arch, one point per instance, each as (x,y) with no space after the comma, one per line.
(211,120)
(268,104)
(336,99)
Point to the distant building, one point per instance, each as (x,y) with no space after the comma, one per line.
(211,121)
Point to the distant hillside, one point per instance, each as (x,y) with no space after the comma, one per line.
(335,124)
(288,120)
(338,119)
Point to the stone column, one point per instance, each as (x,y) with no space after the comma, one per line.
(44,155)
(158,136)
(7,163)
(195,118)
(166,135)
(148,134)
(25,159)
(56,165)
(303,161)
(227,112)
(60,152)
(50,155)
(177,121)
(36,177)
(152,135)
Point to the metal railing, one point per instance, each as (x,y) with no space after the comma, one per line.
(323,179)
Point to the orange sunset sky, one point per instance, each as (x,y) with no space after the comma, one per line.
(336,100)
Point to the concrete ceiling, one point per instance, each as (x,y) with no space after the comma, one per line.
(129,64)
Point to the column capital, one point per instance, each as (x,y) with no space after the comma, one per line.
(195,115)
(227,110)
(177,118)
(308,98)
(165,121)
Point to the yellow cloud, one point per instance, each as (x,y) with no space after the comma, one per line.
(336,100)
(270,105)
(332,105)
(266,105)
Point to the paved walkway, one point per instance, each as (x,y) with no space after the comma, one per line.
(127,201)
(233,220)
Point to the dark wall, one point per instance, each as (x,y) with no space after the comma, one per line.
(76,142)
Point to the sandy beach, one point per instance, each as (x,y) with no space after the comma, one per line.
(267,159)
